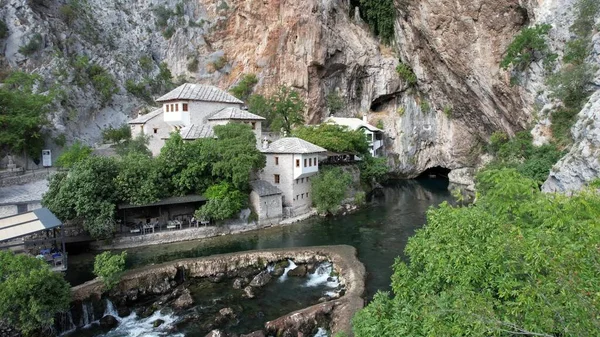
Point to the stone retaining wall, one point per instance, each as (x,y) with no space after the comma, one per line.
(153,278)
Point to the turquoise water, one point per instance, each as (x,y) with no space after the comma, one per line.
(379,232)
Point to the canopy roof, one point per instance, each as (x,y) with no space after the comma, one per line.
(169,201)
(16,226)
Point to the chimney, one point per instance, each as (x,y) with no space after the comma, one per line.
(265,143)
(365,119)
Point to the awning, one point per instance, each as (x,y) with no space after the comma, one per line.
(23,224)
(169,201)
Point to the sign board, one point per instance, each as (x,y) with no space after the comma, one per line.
(46,158)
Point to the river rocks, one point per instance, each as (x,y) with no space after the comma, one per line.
(279,268)
(225,315)
(108,322)
(261,279)
(216,333)
(217,278)
(184,301)
(299,271)
(249,292)
(258,333)
(123,311)
(239,283)
(158,323)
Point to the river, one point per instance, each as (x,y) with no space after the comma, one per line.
(379,231)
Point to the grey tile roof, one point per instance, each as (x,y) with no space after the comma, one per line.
(264,188)
(143,119)
(234,113)
(196,131)
(292,145)
(199,92)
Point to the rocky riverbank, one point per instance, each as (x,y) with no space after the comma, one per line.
(249,272)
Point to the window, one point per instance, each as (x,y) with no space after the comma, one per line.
(276,178)
(185,107)
(302,195)
(369,137)
(21,208)
(315,161)
(253,125)
(297,196)
(307,179)
(177,107)
(167,107)
(302,180)
(305,161)
(307,194)
(276,160)
(155,130)
(297,162)
(296,181)
(309,162)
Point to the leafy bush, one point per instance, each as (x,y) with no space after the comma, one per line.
(146,63)
(380,15)
(425,107)
(527,47)
(192,66)
(407,74)
(34,44)
(224,202)
(329,189)
(68,13)
(162,15)
(30,293)
(116,135)
(74,154)
(509,265)
(109,268)
(168,32)
(334,138)
(334,102)
(244,87)
(373,169)
(93,73)
(380,124)
(497,139)
(219,63)
(360,198)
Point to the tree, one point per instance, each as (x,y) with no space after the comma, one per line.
(224,202)
(116,135)
(30,293)
(380,15)
(329,189)
(527,47)
(260,105)
(23,113)
(373,169)
(135,181)
(334,102)
(137,145)
(73,154)
(245,86)
(237,155)
(287,109)
(109,268)
(88,193)
(336,138)
(518,262)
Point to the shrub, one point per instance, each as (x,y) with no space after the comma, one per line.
(425,107)
(360,198)
(334,102)
(74,154)
(373,169)
(497,139)
(192,66)
(162,15)
(34,44)
(220,63)
(401,111)
(109,268)
(380,124)
(168,32)
(526,47)
(116,135)
(224,202)
(146,63)
(380,15)
(68,14)
(329,189)
(407,74)
(244,87)
(448,111)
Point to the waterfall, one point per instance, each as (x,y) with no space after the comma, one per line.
(321,333)
(110,310)
(65,324)
(321,276)
(291,266)
(87,314)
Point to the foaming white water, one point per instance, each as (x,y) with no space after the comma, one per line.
(321,276)
(291,266)
(110,310)
(321,333)
(131,326)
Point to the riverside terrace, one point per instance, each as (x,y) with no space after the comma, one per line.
(38,233)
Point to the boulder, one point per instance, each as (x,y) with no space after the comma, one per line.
(239,283)
(216,333)
(146,312)
(261,279)
(299,271)
(123,311)
(184,301)
(217,278)
(249,292)
(108,322)
(224,315)
(157,323)
(258,333)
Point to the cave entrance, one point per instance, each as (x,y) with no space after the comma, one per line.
(436,172)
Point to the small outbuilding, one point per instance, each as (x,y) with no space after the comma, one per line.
(266,200)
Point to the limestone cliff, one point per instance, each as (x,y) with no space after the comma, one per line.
(317,46)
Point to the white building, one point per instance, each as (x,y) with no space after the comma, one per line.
(193,110)
(291,163)
(374,135)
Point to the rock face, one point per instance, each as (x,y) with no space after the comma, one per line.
(582,164)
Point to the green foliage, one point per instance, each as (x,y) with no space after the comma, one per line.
(137,145)
(519,262)
(109,267)
(60,140)
(223,6)
(380,124)
(334,138)
(244,87)
(373,169)
(146,63)
(68,13)
(587,10)
(334,101)
(401,111)
(192,66)
(380,15)
(94,74)
(533,162)
(224,202)
(527,47)
(448,111)
(407,74)
(30,293)
(219,63)
(73,154)
(135,181)
(360,198)
(34,44)
(260,105)
(3,30)
(139,90)
(22,114)
(116,135)
(286,110)
(88,193)
(162,82)
(595,183)
(425,107)
(162,15)
(329,189)
(168,32)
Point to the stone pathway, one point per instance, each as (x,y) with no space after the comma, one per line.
(23,193)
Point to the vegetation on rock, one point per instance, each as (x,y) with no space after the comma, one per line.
(109,267)
(30,293)
(528,47)
(407,74)
(380,15)
(73,154)
(334,102)
(329,189)
(34,44)
(518,262)
(244,87)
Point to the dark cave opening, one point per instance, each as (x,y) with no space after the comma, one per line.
(436,172)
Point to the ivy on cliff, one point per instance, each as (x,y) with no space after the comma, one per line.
(380,15)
